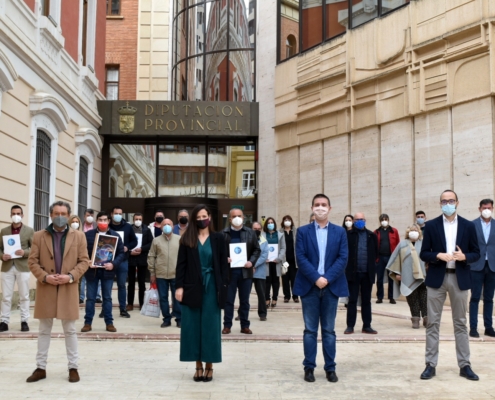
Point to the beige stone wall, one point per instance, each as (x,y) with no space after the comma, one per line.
(386,117)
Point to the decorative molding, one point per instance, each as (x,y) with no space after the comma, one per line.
(90,138)
(8,74)
(44,103)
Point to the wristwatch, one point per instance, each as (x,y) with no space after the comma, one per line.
(71,280)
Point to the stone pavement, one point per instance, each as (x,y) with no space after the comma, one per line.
(141,361)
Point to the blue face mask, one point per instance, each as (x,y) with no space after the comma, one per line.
(420,221)
(117,218)
(448,209)
(271,227)
(167,229)
(359,224)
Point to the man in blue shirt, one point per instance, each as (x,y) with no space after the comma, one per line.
(321,253)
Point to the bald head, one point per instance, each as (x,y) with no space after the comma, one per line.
(167,221)
(359,215)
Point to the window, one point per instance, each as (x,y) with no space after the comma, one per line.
(112,82)
(290,45)
(113,7)
(42,181)
(83,187)
(45,7)
(247,180)
(249,147)
(84,30)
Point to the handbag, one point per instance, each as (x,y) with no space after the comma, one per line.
(151,305)
(285,267)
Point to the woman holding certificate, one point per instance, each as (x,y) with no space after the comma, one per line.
(276,257)
(201,287)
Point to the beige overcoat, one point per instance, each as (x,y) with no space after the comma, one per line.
(61,302)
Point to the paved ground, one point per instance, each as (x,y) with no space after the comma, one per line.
(141,362)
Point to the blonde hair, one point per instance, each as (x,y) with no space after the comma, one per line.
(78,219)
(418,228)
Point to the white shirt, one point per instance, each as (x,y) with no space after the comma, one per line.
(486,231)
(450,229)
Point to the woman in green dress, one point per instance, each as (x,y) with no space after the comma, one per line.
(201,287)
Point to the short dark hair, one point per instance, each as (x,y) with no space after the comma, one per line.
(60,203)
(15,207)
(90,211)
(102,214)
(420,212)
(117,208)
(383,216)
(449,191)
(484,202)
(265,225)
(318,196)
(137,215)
(159,211)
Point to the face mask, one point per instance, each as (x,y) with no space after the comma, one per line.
(183,220)
(271,227)
(413,235)
(258,233)
(202,223)
(138,223)
(420,221)
(16,219)
(360,224)
(167,229)
(159,220)
(448,209)
(60,221)
(102,226)
(117,218)
(348,224)
(321,213)
(384,224)
(237,221)
(74,225)
(90,220)
(486,213)
(287,224)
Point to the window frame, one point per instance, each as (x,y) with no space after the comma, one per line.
(42,194)
(251,174)
(107,68)
(83,187)
(109,8)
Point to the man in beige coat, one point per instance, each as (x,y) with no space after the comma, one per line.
(58,259)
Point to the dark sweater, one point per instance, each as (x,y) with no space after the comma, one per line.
(362,252)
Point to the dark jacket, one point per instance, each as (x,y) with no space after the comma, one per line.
(434,243)
(393,238)
(190,278)
(130,238)
(352,240)
(118,259)
(252,248)
(142,259)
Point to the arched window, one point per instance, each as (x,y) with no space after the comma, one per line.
(83,187)
(42,181)
(290,44)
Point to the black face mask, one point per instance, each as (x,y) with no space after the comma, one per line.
(159,219)
(183,220)
(258,233)
(202,223)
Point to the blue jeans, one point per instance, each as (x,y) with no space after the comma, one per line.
(121,279)
(82,295)
(163,286)
(244,286)
(380,274)
(485,280)
(319,305)
(92,287)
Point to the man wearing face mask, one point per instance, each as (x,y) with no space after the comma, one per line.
(421,220)
(120,225)
(162,263)
(240,278)
(483,271)
(89,224)
(138,260)
(15,269)
(360,273)
(388,239)
(89,220)
(183,218)
(156,227)
(321,253)
(449,246)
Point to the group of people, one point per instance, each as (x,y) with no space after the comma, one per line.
(319,263)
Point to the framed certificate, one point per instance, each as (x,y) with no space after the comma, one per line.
(104,250)
(238,255)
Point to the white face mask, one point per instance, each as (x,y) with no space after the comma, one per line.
(138,223)
(16,219)
(413,235)
(348,223)
(321,213)
(90,219)
(287,224)
(75,225)
(384,224)
(486,213)
(237,221)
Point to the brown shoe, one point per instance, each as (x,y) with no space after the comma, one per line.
(86,328)
(111,328)
(226,331)
(73,375)
(130,308)
(247,331)
(37,375)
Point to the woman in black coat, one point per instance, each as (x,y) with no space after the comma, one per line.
(201,287)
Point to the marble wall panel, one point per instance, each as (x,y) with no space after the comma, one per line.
(311,176)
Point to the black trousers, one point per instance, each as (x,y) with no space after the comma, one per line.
(272,281)
(288,281)
(141,277)
(260,286)
(360,284)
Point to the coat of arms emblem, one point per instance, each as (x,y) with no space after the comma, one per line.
(126,122)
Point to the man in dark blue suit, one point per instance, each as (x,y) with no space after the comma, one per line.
(321,253)
(449,247)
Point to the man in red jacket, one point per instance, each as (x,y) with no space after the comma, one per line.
(388,239)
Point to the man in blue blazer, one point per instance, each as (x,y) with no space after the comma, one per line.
(321,253)
(449,247)
(483,271)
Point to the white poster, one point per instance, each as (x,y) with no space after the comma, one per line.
(272,251)
(238,255)
(12,243)
(140,240)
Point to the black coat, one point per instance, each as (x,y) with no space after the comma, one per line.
(190,278)
(142,259)
(252,248)
(352,240)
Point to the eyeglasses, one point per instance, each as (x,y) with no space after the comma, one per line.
(445,202)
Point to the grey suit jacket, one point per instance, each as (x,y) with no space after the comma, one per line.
(485,248)
(26,236)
